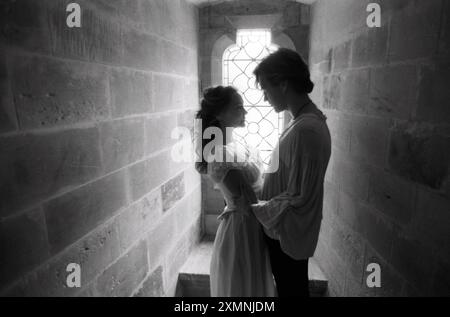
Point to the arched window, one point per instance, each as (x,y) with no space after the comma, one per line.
(263,125)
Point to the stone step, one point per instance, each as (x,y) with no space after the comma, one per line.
(193,279)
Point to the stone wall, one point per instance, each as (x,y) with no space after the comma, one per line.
(86,174)
(385,93)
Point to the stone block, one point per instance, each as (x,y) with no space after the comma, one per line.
(441,284)
(128,13)
(434,94)
(131,93)
(415,261)
(186,119)
(418,154)
(188,210)
(34,167)
(340,125)
(349,210)
(93,254)
(432,220)
(219,22)
(169,93)
(158,132)
(152,11)
(356,288)
(153,285)
(245,6)
(122,142)
(24,25)
(349,246)
(8,119)
(136,220)
(394,6)
(122,278)
(192,91)
(341,56)
(392,196)
(174,58)
(332,91)
(23,245)
(172,14)
(71,216)
(369,139)
(353,178)
(192,66)
(292,14)
(89,291)
(175,258)
(192,179)
(141,51)
(444,41)
(336,271)
(415,31)
(146,176)
(330,202)
(377,230)
(355,91)
(370,47)
(190,25)
(161,239)
(172,191)
(99,38)
(55,93)
(393,91)
(391,282)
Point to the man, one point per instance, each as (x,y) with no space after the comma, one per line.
(290,209)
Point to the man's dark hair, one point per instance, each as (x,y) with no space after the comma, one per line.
(285,65)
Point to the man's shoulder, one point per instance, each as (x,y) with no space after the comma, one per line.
(308,123)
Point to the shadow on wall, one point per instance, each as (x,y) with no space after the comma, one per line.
(387,187)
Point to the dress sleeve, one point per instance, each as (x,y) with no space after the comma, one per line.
(236,177)
(304,184)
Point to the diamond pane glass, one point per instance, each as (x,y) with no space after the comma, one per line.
(263,124)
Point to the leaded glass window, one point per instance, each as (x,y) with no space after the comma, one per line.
(263,125)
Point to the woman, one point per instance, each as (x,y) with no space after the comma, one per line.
(240,265)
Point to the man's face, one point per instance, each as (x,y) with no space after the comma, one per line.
(274,94)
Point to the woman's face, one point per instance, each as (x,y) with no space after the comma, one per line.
(234,115)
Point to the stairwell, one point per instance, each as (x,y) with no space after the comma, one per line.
(193,278)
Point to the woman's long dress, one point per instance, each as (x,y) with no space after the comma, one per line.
(240,264)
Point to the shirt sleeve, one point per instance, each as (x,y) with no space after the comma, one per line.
(304,185)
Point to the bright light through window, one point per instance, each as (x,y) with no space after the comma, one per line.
(263,124)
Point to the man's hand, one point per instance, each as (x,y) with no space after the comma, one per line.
(258,204)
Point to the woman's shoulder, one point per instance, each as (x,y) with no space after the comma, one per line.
(230,157)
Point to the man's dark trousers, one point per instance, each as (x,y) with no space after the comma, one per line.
(291,276)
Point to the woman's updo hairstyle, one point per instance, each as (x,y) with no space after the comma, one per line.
(214,101)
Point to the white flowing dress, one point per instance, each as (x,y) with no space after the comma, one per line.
(240,264)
